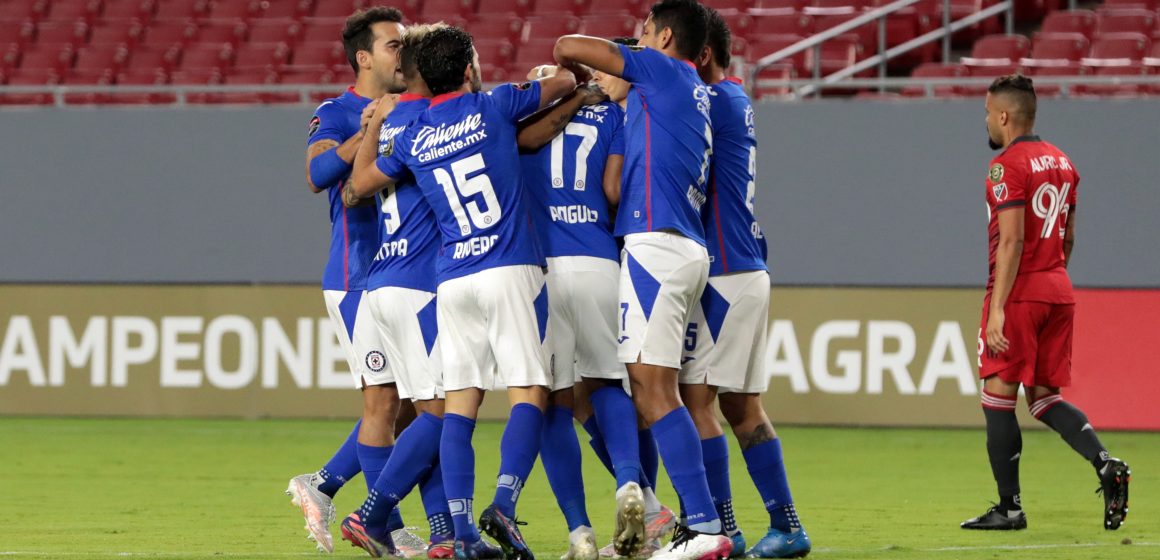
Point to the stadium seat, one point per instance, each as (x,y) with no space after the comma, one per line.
(30,78)
(834,7)
(233,9)
(232,32)
(116,32)
(497,52)
(274,30)
(434,10)
(87,79)
(531,54)
(1056,49)
(841,52)
(998,50)
(1125,21)
(550,27)
(494,7)
(62,33)
(867,34)
(290,76)
(254,57)
(552,7)
(963,8)
(781,24)
(198,77)
(740,23)
(150,58)
(992,71)
(936,70)
(54,58)
(128,9)
(140,78)
(284,9)
(1070,21)
(767,45)
(319,54)
(101,58)
(497,27)
(333,8)
(728,6)
(1143,4)
(203,56)
(492,74)
(181,9)
(1153,58)
(1115,90)
(314,30)
(74,10)
(638,8)
(253,97)
(767,7)
(609,25)
(1117,49)
(32,10)
(739,49)
(1054,90)
(16,32)
(770,80)
(165,33)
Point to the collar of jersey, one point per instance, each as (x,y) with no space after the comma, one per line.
(410,97)
(733,79)
(445,97)
(350,90)
(1025,138)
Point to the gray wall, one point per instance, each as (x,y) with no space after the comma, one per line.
(850,193)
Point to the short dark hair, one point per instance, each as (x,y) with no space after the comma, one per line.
(411,44)
(719,38)
(627,41)
(446,53)
(357,35)
(1021,90)
(686,18)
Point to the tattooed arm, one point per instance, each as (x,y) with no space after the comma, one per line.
(574,50)
(540,128)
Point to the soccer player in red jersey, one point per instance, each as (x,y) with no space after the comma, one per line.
(1025,337)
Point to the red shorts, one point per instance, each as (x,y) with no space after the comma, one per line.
(1040,345)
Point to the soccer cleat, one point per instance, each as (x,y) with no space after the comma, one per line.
(581,545)
(478,550)
(1114,478)
(995,520)
(778,544)
(506,533)
(354,531)
(441,547)
(317,508)
(408,544)
(660,525)
(630,528)
(688,544)
(738,541)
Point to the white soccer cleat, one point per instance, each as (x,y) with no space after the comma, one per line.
(317,508)
(409,544)
(581,545)
(630,532)
(690,545)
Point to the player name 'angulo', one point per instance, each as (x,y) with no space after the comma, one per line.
(574,214)
(433,142)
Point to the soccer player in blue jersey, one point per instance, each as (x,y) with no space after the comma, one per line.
(664,265)
(371,39)
(401,291)
(725,360)
(492,302)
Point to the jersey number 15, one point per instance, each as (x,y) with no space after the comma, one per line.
(467,187)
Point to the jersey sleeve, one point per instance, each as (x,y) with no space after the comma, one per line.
(392,160)
(517,101)
(1007,184)
(644,67)
(616,146)
(327,124)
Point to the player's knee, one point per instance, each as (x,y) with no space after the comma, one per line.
(1040,404)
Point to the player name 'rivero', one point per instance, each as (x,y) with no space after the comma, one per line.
(474,247)
(433,142)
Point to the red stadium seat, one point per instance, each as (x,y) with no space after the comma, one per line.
(434,10)
(334,8)
(32,10)
(1115,90)
(140,78)
(284,9)
(30,78)
(1053,90)
(1125,21)
(274,30)
(771,80)
(314,30)
(769,44)
(734,6)
(781,24)
(77,78)
(53,58)
(1153,58)
(62,33)
(610,25)
(494,7)
(551,27)
(1056,49)
(997,50)
(638,8)
(9,56)
(153,58)
(550,7)
(531,54)
(198,77)
(993,71)
(168,33)
(497,27)
(128,9)
(495,51)
(202,56)
(265,57)
(778,6)
(234,9)
(307,77)
(834,7)
(1143,4)
(840,52)
(101,58)
(740,23)
(16,31)
(257,78)
(936,70)
(181,9)
(74,10)
(964,8)
(867,34)
(232,32)
(320,54)
(1070,21)
(1117,49)
(116,32)
(492,74)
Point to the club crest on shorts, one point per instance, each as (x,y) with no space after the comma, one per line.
(315,123)
(376,361)
(996,173)
(1000,192)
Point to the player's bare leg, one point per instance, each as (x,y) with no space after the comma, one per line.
(785,538)
(1048,406)
(1004,447)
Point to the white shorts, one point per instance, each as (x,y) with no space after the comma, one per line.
(662,276)
(582,294)
(725,346)
(359,337)
(492,328)
(407,322)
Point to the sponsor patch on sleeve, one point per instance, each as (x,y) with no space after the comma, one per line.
(996,173)
(315,123)
(387,148)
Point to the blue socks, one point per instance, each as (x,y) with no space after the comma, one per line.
(517,454)
(435,504)
(373,460)
(715,452)
(597,443)
(613,409)
(650,458)
(767,469)
(457,459)
(414,453)
(680,447)
(343,466)
(561,454)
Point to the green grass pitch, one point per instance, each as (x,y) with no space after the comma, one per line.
(85,488)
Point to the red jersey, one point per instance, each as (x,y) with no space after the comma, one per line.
(1040,180)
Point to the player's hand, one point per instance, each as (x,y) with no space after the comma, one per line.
(583,73)
(542,71)
(366,114)
(591,94)
(996,342)
(387,104)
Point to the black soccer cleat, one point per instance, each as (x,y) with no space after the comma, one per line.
(1114,478)
(506,534)
(995,520)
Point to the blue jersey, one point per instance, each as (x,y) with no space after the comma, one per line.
(463,153)
(734,238)
(353,231)
(666,166)
(565,180)
(408,236)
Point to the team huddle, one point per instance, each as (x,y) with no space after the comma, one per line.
(585,240)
